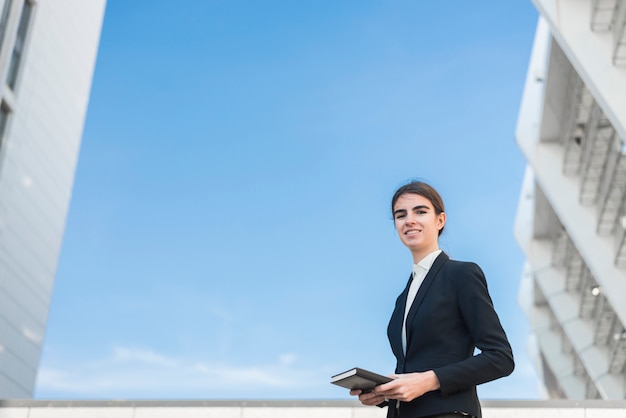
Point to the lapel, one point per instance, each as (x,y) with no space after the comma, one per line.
(421,293)
(395,325)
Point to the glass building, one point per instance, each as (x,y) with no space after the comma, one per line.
(47,55)
(571,220)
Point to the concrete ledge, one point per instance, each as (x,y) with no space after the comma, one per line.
(309,403)
(27,408)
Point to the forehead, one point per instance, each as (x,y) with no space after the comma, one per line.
(410,200)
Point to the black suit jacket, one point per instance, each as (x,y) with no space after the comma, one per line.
(452,314)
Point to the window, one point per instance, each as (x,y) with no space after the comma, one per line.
(4,19)
(5,111)
(18,49)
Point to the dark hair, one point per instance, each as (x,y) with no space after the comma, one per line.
(422,189)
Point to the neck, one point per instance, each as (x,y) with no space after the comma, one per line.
(419,255)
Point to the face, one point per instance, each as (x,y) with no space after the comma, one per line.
(417,224)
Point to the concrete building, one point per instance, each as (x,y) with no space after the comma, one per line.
(571,221)
(47,57)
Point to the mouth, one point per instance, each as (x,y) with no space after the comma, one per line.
(411,232)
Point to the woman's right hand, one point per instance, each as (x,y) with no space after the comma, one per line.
(369,398)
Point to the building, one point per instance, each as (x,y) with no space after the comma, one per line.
(571,221)
(47,56)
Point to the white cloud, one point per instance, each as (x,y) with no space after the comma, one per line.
(288,359)
(143,373)
(141,356)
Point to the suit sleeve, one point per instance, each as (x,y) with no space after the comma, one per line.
(495,359)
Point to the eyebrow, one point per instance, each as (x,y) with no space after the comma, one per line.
(415,208)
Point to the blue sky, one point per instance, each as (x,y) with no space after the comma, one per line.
(229,235)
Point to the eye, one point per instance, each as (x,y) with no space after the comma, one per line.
(400,216)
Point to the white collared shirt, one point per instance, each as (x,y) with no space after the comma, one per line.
(420,270)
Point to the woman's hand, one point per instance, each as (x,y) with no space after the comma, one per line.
(406,387)
(369,399)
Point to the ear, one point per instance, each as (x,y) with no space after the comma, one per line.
(441,220)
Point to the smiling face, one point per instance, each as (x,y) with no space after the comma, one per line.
(418,224)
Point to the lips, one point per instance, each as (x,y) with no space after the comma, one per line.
(412,232)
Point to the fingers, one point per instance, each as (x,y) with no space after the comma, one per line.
(369,398)
(396,389)
(386,388)
(406,387)
(379,395)
(372,398)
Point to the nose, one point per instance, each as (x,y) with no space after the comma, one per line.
(411,218)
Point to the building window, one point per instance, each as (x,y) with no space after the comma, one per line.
(4,19)
(5,111)
(18,49)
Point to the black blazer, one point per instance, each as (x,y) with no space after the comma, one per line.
(452,314)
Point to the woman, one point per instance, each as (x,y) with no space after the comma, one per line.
(443,314)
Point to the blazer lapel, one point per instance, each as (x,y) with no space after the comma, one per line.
(397,321)
(421,293)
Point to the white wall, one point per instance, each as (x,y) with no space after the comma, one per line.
(285,409)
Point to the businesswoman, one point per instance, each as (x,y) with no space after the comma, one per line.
(443,314)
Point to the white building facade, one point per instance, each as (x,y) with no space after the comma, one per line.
(47,55)
(571,220)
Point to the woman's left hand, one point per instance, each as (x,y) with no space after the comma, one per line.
(409,386)
(369,398)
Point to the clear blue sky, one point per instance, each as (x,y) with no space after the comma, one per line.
(230,236)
